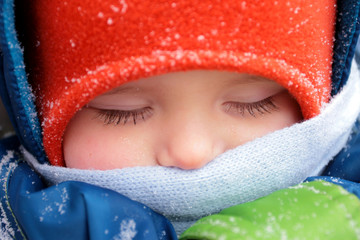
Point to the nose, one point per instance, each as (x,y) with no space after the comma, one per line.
(190,145)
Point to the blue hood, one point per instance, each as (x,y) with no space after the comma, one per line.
(15,91)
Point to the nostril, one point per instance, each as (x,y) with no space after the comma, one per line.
(187,156)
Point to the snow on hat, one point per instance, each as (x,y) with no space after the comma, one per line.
(81,49)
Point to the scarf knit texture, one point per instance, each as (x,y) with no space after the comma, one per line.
(278,160)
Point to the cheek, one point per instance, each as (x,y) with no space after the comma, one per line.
(247,129)
(89,144)
(289,111)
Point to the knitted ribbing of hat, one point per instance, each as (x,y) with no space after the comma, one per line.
(255,169)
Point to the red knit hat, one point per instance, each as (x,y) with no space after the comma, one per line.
(81,49)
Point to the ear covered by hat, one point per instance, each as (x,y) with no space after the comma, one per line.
(81,49)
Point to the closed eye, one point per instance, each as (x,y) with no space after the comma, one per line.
(265,106)
(116,117)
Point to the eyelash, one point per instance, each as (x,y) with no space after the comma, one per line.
(264,106)
(119,116)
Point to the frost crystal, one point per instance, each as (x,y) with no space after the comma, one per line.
(110,21)
(6,231)
(124,6)
(72,43)
(201,38)
(243,5)
(100,15)
(114,8)
(127,230)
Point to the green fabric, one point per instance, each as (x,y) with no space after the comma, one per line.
(313,210)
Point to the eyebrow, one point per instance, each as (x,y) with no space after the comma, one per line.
(250,79)
(122,89)
(246,80)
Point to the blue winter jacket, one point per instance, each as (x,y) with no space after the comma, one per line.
(94,212)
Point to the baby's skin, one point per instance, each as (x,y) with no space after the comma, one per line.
(181,119)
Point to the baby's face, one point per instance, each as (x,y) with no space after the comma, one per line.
(182,119)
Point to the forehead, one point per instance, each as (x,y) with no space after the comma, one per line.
(206,77)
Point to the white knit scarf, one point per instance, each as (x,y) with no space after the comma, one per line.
(278,160)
